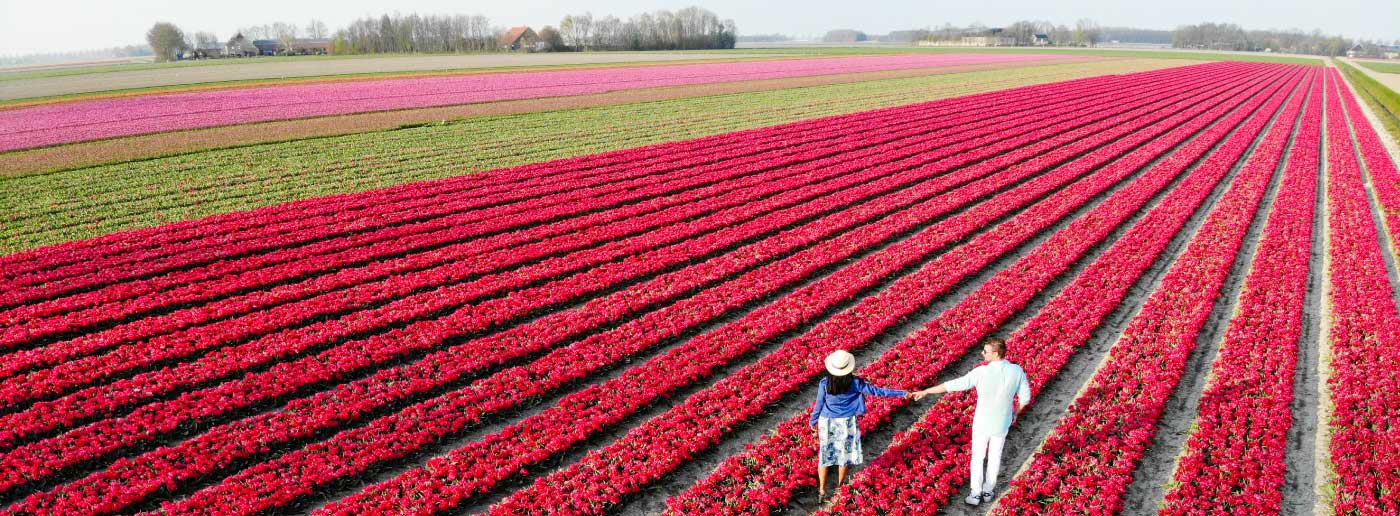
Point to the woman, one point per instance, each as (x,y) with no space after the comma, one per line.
(840,398)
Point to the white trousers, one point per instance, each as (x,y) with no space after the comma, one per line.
(986,447)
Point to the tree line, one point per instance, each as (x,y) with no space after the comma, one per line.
(685,29)
(1086,33)
(1228,36)
(416,34)
(690,28)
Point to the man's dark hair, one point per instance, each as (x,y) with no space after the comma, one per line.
(997,345)
(839,384)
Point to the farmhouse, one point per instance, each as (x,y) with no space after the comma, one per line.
(1040,40)
(520,38)
(206,51)
(310,47)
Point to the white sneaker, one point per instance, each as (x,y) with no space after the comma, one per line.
(974,499)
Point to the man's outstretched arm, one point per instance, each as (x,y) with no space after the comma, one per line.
(961,384)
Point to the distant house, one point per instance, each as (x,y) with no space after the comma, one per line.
(520,38)
(267,47)
(310,47)
(239,46)
(208,51)
(1040,40)
(1355,50)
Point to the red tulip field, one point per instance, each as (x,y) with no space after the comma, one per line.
(1195,266)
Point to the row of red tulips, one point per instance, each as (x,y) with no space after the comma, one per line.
(521,446)
(437,369)
(661,444)
(1364,335)
(624,221)
(1106,429)
(765,476)
(1234,460)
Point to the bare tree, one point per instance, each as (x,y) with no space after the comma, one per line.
(257,32)
(583,30)
(689,28)
(1087,32)
(316,29)
(285,34)
(206,40)
(166,40)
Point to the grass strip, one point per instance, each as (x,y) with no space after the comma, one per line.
(1384,101)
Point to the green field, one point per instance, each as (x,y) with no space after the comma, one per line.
(1380,67)
(50,208)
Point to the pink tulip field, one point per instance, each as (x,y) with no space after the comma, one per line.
(81,121)
(642,331)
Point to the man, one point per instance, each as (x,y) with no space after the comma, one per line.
(996,382)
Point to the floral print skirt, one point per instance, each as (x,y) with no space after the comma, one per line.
(840,442)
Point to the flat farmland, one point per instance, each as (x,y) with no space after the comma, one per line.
(1194,263)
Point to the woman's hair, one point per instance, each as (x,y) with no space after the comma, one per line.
(839,384)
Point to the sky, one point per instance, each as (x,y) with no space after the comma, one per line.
(40,26)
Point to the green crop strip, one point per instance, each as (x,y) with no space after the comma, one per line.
(45,209)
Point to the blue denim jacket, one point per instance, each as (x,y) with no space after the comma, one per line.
(852,403)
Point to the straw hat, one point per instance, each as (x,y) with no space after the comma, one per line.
(840,363)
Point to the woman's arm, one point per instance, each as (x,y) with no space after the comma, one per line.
(865,388)
(821,400)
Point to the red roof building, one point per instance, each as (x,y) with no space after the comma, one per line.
(519,38)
